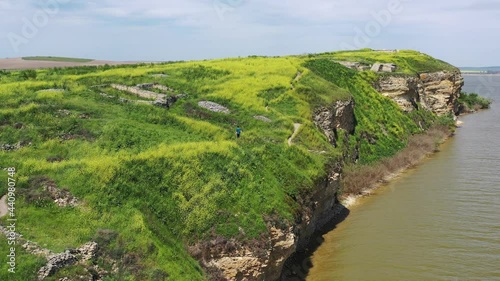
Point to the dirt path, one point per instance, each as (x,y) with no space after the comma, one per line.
(299,75)
(296,128)
(4,210)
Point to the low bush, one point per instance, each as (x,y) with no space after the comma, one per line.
(360,178)
(470,102)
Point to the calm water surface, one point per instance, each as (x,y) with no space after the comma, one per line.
(439,221)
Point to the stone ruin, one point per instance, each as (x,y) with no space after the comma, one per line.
(384,67)
(140,90)
(354,65)
(378,67)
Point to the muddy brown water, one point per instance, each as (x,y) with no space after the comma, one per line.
(438,221)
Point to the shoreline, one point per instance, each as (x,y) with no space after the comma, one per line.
(352,199)
(299,263)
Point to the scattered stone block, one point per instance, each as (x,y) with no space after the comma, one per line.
(263,118)
(215,107)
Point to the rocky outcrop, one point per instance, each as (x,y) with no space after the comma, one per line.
(437,92)
(274,256)
(61,197)
(56,262)
(257,260)
(337,116)
(441,91)
(82,255)
(265,258)
(85,253)
(405,91)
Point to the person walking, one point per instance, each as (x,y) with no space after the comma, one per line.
(238,132)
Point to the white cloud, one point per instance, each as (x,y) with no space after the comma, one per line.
(235,27)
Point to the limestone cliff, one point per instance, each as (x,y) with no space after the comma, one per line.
(270,257)
(437,91)
(264,258)
(337,116)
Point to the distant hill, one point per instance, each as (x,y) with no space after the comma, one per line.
(485,69)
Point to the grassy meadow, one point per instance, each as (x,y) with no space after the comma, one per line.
(151,181)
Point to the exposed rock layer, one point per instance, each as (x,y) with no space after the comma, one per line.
(437,92)
(338,116)
(264,259)
(233,260)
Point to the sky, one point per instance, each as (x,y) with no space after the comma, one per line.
(461,32)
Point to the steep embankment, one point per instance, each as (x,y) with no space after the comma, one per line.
(168,191)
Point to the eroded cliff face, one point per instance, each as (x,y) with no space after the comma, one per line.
(337,116)
(264,258)
(437,92)
(259,259)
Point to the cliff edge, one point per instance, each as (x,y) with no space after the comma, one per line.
(169,191)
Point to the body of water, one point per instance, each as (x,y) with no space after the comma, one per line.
(438,221)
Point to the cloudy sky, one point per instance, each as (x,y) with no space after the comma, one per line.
(462,32)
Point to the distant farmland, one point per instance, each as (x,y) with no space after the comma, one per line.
(61,59)
(50,62)
(480,70)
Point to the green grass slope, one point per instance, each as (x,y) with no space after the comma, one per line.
(150,180)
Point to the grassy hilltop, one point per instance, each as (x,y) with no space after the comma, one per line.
(152,181)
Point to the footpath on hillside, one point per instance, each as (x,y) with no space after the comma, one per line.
(4,209)
(296,128)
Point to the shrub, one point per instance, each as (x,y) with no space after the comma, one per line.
(472,102)
(28,74)
(359,178)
